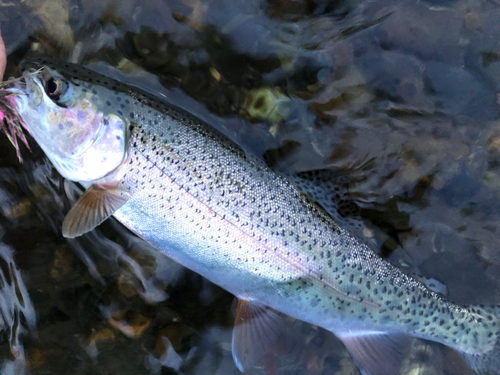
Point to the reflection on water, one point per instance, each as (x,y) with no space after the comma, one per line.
(17,314)
(399,96)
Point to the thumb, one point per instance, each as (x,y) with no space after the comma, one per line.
(3,56)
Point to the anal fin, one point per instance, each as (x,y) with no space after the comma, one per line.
(94,206)
(256,330)
(377,353)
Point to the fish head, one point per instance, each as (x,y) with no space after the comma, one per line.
(65,111)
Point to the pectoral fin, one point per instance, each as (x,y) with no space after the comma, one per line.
(93,207)
(255,331)
(377,353)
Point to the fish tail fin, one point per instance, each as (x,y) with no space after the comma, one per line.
(486,362)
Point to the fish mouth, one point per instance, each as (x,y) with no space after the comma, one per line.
(17,97)
(18,91)
(33,86)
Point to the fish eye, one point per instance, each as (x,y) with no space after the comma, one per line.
(53,88)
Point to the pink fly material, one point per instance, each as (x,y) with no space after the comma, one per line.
(11,124)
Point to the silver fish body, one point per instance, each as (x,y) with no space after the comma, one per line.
(200,199)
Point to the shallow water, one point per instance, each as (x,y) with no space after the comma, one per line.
(401,97)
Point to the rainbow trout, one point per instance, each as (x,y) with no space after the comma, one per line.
(199,198)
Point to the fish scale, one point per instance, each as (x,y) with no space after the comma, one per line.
(219,211)
(237,205)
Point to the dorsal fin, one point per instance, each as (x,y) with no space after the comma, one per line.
(94,206)
(330,190)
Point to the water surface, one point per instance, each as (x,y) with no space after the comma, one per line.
(400,97)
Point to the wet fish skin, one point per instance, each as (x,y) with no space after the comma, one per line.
(204,202)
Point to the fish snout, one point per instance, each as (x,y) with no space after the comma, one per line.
(30,66)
